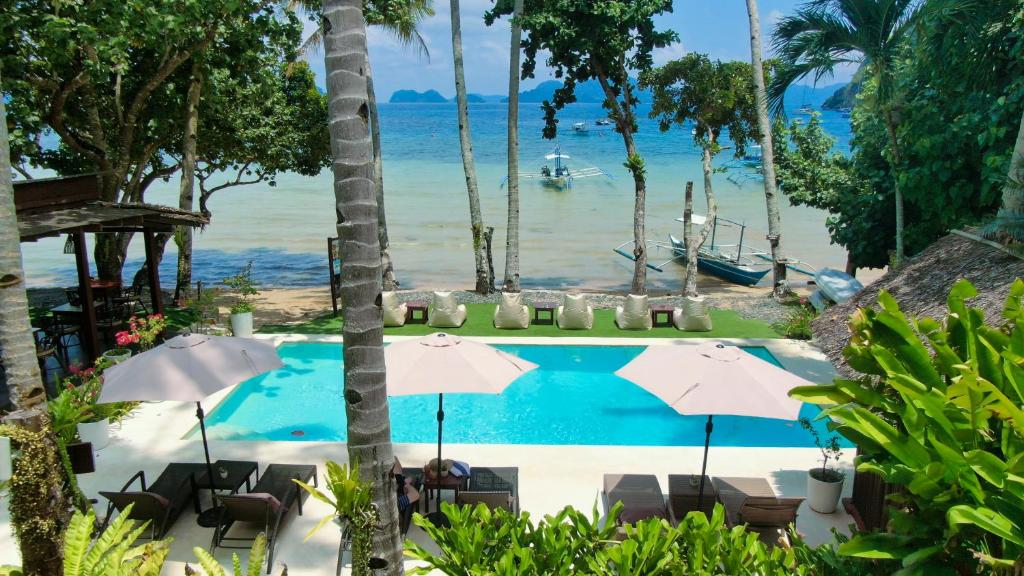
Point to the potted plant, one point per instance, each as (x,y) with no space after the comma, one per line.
(65,415)
(825,484)
(142,333)
(244,288)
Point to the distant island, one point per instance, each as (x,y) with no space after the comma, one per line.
(412,96)
(845,97)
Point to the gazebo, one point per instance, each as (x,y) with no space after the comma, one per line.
(72,205)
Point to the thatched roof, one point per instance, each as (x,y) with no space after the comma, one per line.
(922,285)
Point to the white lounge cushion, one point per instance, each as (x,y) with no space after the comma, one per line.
(693,316)
(511,313)
(445,311)
(393,310)
(635,314)
(575,313)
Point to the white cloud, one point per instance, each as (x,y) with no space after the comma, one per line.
(671,52)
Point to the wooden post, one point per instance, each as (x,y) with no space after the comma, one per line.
(153,267)
(87,331)
(688,214)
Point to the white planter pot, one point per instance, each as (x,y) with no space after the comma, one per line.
(117,355)
(97,433)
(823,497)
(241,325)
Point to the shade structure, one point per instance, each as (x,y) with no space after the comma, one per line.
(188,368)
(442,364)
(715,380)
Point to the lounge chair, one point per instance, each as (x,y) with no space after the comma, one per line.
(445,311)
(640,494)
(751,501)
(693,316)
(635,314)
(394,311)
(268,503)
(160,502)
(511,313)
(495,487)
(575,313)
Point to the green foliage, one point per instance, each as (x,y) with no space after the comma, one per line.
(484,542)
(830,450)
(798,325)
(938,411)
(352,501)
(201,311)
(244,287)
(713,95)
(211,567)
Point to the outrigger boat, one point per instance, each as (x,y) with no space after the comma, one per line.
(806,109)
(735,263)
(747,168)
(561,176)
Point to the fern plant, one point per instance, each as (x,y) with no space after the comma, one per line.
(211,567)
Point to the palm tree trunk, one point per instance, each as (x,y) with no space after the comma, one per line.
(40,555)
(387,268)
(366,400)
(183,234)
(511,283)
(896,158)
(771,196)
(466,144)
(1009,221)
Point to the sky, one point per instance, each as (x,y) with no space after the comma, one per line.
(717,27)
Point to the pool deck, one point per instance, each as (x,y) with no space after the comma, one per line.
(550,477)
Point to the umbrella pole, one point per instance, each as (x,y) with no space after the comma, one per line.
(440,423)
(704,467)
(209,467)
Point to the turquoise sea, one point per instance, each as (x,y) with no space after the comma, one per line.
(566,236)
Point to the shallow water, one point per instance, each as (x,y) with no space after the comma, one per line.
(566,236)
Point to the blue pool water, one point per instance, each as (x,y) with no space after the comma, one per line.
(573,398)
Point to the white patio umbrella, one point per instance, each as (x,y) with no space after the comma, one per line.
(442,363)
(716,380)
(188,368)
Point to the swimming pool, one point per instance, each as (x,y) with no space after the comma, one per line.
(574,397)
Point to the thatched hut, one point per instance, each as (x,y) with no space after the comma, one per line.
(921,287)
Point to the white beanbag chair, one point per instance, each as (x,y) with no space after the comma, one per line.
(635,314)
(575,313)
(693,316)
(445,311)
(394,311)
(511,313)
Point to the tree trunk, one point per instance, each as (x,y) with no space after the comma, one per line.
(387,267)
(780,286)
(366,400)
(896,158)
(466,144)
(183,234)
(110,252)
(511,283)
(693,245)
(40,556)
(1009,221)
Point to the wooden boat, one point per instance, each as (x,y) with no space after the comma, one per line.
(734,268)
(560,176)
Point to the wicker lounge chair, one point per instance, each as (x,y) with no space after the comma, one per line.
(693,316)
(640,494)
(268,503)
(751,501)
(511,313)
(495,487)
(394,311)
(160,502)
(575,313)
(635,314)
(445,311)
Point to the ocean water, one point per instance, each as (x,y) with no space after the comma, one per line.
(573,398)
(566,236)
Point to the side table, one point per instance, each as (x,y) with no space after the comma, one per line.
(548,307)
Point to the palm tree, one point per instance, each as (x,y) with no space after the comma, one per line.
(476,219)
(366,401)
(824,34)
(511,283)
(771,197)
(18,356)
(402,21)
(1009,220)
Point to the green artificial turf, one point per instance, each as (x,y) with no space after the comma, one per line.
(727,324)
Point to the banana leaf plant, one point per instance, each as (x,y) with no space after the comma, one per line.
(937,410)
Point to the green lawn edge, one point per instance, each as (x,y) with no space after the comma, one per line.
(727,324)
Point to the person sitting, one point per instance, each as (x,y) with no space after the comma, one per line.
(407,493)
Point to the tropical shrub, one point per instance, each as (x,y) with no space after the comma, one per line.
(254,566)
(938,411)
(830,450)
(797,325)
(243,287)
(484,542)
(352,502)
